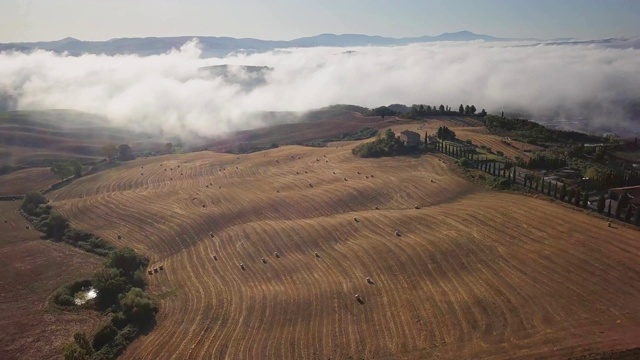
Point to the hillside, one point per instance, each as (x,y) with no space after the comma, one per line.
(35,138)
(298,128)
(471,273)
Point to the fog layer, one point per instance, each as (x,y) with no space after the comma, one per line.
(172,93)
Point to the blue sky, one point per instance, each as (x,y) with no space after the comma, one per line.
(32,20)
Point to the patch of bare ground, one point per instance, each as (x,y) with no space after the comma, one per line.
(31,270)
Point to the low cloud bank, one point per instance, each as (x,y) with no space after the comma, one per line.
(176,94)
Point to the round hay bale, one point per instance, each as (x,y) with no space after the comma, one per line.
(215,257)
(316,254)
(310,185)
(417,207)
(204,206)
(334,173)
(150,272)
(377,208)
(345,179)
(276,254)
(161,267)
(371,176)
(119,236)
(356,219)
(366,177)
(155,270)
(609,224)
(27,227)
(397,233)
(369,280)
(358,172)
(264,261)
(306,172)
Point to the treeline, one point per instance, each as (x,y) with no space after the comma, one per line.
(119,285)
(387,145)
(421,110)
(56,227)
(615,178)
(532,132)
(418,111)
(508,175)
(542,161)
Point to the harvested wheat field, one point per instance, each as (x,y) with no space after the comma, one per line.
(455,270)
(31,270)
(27,180)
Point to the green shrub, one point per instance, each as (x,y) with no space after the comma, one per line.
(31,202)
(104,336)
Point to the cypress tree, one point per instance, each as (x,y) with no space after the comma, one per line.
(549,189)
(555,191)
(601,204)
(627,214)
(563,192)
(515,175)
(577,198)
(537,184)
(542,186)
(609,209)
(618,210)
(637,219)
(585,200)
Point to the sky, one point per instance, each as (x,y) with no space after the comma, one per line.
(45,20)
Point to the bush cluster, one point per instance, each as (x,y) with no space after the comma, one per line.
(56,227)
(387,145)
(119,285)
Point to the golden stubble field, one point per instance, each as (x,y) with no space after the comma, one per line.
(473,273)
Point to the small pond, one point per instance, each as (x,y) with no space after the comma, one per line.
(84,295)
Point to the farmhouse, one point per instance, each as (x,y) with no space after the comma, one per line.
(410,138)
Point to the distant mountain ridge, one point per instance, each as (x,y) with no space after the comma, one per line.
(222,46)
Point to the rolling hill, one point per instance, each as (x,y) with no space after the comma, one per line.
(457,271)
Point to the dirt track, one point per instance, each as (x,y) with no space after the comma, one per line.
(473,274)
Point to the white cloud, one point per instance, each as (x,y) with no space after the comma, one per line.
(169,92)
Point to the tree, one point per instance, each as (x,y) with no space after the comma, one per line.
(31,202)
(577,198)
(467,110)
(124,152)
(472,109)
(129,262)
(563,192)
(109,152)
(461,109)
(601,204)
(609,209)
(55,226)
(109,283)
(637,218)
(138,307)
(585,200)
(79,349)
(441,108)
(628,212)
(168,148)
